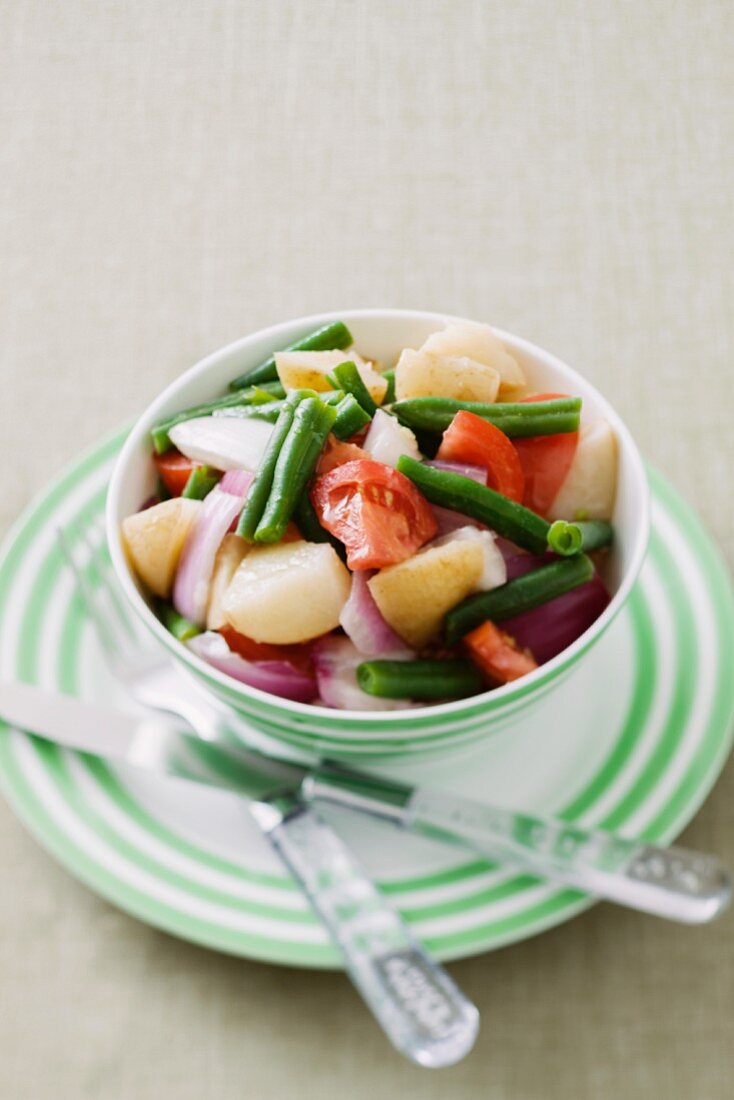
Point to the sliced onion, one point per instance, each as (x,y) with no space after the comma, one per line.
(387,440)
(236,482)
(278,677)
(549,629)
(363,623)
(218,511)
(335,660)
(223,442)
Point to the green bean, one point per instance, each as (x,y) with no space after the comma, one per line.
(418,679)
(574,538)
(350,417)
(461,494)
(160,431)
(200,482)
(595,534)
(331,337)
(312,422)
(259,491)
(176,624)
(518,595)
(564,538)
(269,412)
(389,376)
(515,418)
(346,377)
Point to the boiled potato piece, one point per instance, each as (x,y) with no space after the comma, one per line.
(590,486)
(494,572)
(229,556)
(290,592)
(154,540)
(423,374)
(307,370)
(480,343)
(414,595)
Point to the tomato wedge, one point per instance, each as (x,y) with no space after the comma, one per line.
(298,655)
(497,654)
(375,511)
(476,442)
(336,453)
(546,460)
(174,469)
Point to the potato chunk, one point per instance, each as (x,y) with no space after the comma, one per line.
(590,486)
(229,555)
(154,540)
(308,370)
(290,592)
(423,374)
(414,595)
(482,344)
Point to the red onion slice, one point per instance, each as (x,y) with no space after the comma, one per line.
(549,629)
(277,677)
(236,482)
(362,622)
(218,511)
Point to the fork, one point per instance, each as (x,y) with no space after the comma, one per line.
(420,1008)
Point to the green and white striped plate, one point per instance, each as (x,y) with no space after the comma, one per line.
(633,741)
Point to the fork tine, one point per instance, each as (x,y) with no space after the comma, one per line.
(117,645)
(101,572)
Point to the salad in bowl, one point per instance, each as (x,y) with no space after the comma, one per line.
(354,534)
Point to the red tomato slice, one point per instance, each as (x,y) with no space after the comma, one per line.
(546,460)
(375,511)
(174,469)
(298,655)
(336,453)
(476,442)
(497,654)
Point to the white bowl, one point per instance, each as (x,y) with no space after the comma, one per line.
(379,334)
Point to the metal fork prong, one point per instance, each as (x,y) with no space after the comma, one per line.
(100,570)
(104,624)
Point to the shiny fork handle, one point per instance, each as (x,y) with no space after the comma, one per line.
(419,1007)
(668,882)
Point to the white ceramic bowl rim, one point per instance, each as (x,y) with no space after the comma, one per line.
(501,694)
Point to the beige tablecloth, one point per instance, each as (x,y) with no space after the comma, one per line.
(173,175)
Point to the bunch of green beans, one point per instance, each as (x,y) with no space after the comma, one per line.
(331,337)
(286,466)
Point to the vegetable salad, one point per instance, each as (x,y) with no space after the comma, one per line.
(338,533)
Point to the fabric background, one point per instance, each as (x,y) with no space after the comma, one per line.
(175,174)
